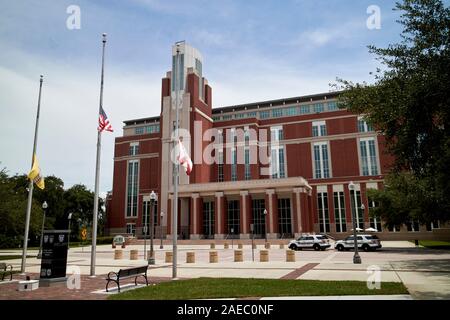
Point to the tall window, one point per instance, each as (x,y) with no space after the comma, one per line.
(363,126)
(322,210)
(339,211)
(134,148)
(332,106)
(132,188)
(375,222)
(220,166)
(259,220)
(319,129)
(284,217)
(208,219)
(276,113)
(368,156)
(248,175)
(146,215)
(233,217)
(277,164)
(198,68)
(233,164)
(322,168)
(359,211)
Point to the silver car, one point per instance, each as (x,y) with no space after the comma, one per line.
(315,241)
(365,242)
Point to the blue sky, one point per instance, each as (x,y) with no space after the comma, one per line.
(252,50)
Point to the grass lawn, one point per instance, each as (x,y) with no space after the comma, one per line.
(435,244)
(204,288)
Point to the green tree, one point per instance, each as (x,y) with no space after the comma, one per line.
(409,104)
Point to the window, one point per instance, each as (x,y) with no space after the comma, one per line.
(251,114)
(321,164)
(220,166)
(318,107)
(247,173)
(284,217)
(332,106)
(239,115)
(216,118)
(226,117)
(131,229)
(132,188)
(433,225)
(277,162)
(363,126)
(322,210)
(291,111)
(198,68)
(360,211)
(139,130)
(152,129)
(276,133)
(233,164)
(339,211)
(375,222)
(276,113)
(233,217)
(181,73)
(395,228)
(319,129)
(259,219)
(134,148)
(368,157)
(305,109)
(412,226)
(264,114)
(208,219)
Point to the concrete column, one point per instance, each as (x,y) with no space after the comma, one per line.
(195,216)
(270,223)
(219,215)
(244,210)
(297,213)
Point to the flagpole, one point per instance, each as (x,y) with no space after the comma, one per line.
(30,185)
(97,171)
(177,173)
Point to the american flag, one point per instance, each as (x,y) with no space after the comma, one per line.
(103,122)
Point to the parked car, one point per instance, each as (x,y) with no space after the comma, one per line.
(315,241)
(366,242)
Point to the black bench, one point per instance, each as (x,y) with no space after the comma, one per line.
(6,269)
(127,273)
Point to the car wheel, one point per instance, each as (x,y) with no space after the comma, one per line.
(293,247)
(340,247)
(366,247)
(316,247)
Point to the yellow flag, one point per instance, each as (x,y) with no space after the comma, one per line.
(35,174)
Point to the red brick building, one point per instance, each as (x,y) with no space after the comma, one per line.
(282,166)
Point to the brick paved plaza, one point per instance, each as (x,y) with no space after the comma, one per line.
(425,272)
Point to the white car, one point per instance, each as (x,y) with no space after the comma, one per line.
(366,242)
(315,241)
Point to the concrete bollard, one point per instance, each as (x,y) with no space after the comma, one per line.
(240,246)
(213,257)
(238,256)
(290,256)
(133,254)
(264,255)
(281,245)
(190,257)
(118,254)
(254,246)
(169,257)
(213,246)
(226,245)
(267,245)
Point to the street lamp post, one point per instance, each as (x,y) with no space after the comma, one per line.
(68,237)
(44,206)
(265,224)
(356,257)
(161,229)
(151,259)
(363,207)
(145,230)
(232,231)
